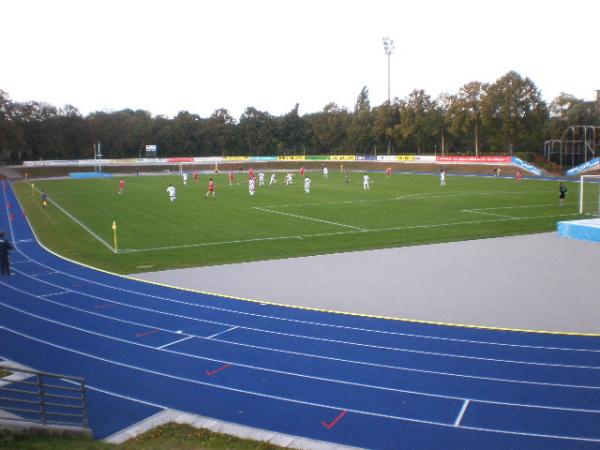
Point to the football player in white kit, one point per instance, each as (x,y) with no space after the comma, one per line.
(172,192)
(307,185)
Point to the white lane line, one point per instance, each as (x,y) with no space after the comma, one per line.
(379,366)
(175,342)
(221,332)
(405,350)
(312,219)
(43,273)
(54,293)
(284,319)
(81,224)
(461,413)
(284,399)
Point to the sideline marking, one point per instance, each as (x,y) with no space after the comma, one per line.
(417,196)
(340,233)
(222,332)
(147,333)
(78,222)
(175,342)
(313,219)
(210,373)
(461,413)
(474,211)
(329,426)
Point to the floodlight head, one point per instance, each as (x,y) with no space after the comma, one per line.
(388,45)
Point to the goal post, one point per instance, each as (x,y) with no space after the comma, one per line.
(589,195)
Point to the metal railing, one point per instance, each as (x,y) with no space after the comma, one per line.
(43,398)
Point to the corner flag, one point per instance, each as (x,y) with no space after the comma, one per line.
(114,227)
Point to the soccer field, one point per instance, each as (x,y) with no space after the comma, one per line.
(279,221)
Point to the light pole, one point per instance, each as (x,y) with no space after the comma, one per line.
(388,47)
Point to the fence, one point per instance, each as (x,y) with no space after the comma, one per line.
(43,398)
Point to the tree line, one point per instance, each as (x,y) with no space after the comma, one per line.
(506,116)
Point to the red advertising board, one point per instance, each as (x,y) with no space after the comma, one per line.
(180,160)
(475,159)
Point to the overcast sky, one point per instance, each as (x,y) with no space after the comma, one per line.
(172,55)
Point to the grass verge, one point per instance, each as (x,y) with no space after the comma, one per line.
(170,436)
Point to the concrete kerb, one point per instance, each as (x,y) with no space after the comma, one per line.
(218,426)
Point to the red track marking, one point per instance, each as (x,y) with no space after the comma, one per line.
(329,426)
(11,217)
(210,373)
(105,305)
(147,333)
(8,205)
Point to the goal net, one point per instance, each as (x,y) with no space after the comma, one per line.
(589,195)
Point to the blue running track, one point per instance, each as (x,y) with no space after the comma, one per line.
(345,379)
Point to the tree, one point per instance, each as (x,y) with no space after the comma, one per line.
(187,134)
(8,132)
(329,128)
(442,117)
(292,131)
(515,112)
(360,130)
(257,131)
(417,120)
(220,132)
(466,109)
(569,110)
(384,118)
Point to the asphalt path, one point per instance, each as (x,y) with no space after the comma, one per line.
(533,282)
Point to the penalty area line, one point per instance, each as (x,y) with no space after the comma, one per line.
(312,219)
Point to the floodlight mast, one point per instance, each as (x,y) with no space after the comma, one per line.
(388,47)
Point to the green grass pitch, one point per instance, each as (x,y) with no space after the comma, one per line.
(279,221)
